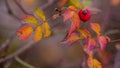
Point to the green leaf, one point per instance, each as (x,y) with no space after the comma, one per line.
(40,14)
(75,3)
(87,3)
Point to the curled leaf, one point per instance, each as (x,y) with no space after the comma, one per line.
(90,45)
(46,29)
(38,34)
(95,27)
(68,14)
(40,14)
(72,39)
(24,32)
(102,40)
(75,24)
(30,19)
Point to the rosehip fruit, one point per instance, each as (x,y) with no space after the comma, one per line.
(84,14)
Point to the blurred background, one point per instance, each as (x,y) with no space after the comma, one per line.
(49,53)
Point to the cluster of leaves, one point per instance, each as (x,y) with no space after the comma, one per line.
(77,32)
(36,23)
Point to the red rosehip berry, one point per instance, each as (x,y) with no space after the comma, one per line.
(84,14)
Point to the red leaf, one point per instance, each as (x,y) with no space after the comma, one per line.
(24,32)
(75,24)
(102,40)
(68,14)
(90,45)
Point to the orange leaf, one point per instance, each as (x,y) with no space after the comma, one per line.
(95,27)
(46,29)
(73,8)
(93,63)
(90,62)
(96,64)
(30,19)
(85,33)
(72,39)
(38,34)
(75,23)
(24,32)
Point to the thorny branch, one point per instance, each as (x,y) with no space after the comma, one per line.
(6,43)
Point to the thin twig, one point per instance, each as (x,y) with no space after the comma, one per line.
(8,63)
(47,4)
(23,63)
(25,47)
(10,11)
(7,42)
(23,10)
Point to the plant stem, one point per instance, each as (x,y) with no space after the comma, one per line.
(118,40)
(23,62)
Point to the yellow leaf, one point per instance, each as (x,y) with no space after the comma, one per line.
(73,37)
(40,14)
(75,3)
(73,8)
(96,64)
(84,33)
(38,34)
(93,63)
(30,19)
(46,29)
(24,32)
(95,27)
